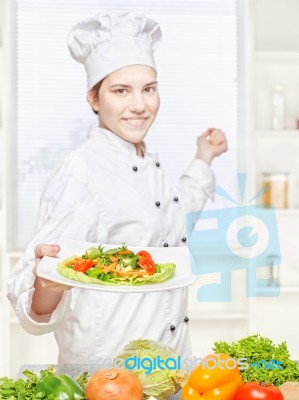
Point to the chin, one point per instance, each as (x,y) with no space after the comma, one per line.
(133,137)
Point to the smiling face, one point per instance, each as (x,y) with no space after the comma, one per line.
(127,102)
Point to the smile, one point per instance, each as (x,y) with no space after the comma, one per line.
(135,121)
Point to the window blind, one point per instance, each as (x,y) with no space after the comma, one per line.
(197,65)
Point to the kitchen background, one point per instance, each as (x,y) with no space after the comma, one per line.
(238,70)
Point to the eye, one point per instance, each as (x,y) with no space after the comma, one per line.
(120,91)
(150,89)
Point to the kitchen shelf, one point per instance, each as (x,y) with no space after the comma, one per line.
(15,254)
(289,289)
(275,61)
(216,316)
(270,134)
(271,69)
(276,56)
(281,212)
(282,290)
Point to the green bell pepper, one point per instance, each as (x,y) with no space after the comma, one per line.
(63,387)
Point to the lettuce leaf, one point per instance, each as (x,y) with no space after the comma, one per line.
(25,389)
(167,271)
(256,348)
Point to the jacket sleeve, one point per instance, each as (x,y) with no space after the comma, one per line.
(66,211)
(197,184)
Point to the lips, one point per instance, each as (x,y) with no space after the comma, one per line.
(136,121)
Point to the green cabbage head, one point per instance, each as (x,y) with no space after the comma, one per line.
(141,357)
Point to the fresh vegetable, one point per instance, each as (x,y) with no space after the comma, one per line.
(290,390)
(146,262)
(144,254)
(256,348)
(63,387)
(111,384)
(216,377)
(157,382)
(83,265)
(27,389)
(118,266)
(122,252)
(258,391)
(93,253)
(148,265)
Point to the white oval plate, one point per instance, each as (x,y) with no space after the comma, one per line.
(183,276)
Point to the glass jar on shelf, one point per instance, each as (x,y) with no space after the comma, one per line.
(278,107)
(275,189)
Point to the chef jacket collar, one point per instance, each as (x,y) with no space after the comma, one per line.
(114,140)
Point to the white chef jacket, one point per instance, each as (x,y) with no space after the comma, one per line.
(103,192)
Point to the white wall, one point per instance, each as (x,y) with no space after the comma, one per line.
(276,25)
(276,28)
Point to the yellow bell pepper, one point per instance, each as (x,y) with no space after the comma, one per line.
(216,377)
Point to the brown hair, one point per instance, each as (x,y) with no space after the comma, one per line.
(95,92)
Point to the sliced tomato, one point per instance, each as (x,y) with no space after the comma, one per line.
(146,262)
(148,265)
(83,265)
(144,254)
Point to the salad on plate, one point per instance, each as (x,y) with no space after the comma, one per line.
(118,266)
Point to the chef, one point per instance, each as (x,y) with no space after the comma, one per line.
(112,190)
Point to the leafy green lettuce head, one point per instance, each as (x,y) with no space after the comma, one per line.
(142,358)
(256,348)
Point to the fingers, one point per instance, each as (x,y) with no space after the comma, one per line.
(41,250)
(220,140)
(212,143)
(207,133)
(53,285)
(46,250)
(216,137)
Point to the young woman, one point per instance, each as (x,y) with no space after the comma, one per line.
(112,190)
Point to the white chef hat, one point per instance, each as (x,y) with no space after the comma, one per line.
(111,40)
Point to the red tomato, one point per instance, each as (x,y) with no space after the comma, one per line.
(144,254)
(148,265)
(83,266)
(258,391)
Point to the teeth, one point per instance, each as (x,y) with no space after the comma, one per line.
(136,122)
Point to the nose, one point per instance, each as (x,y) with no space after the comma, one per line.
(137,104)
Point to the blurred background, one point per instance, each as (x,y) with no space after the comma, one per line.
(231,64)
